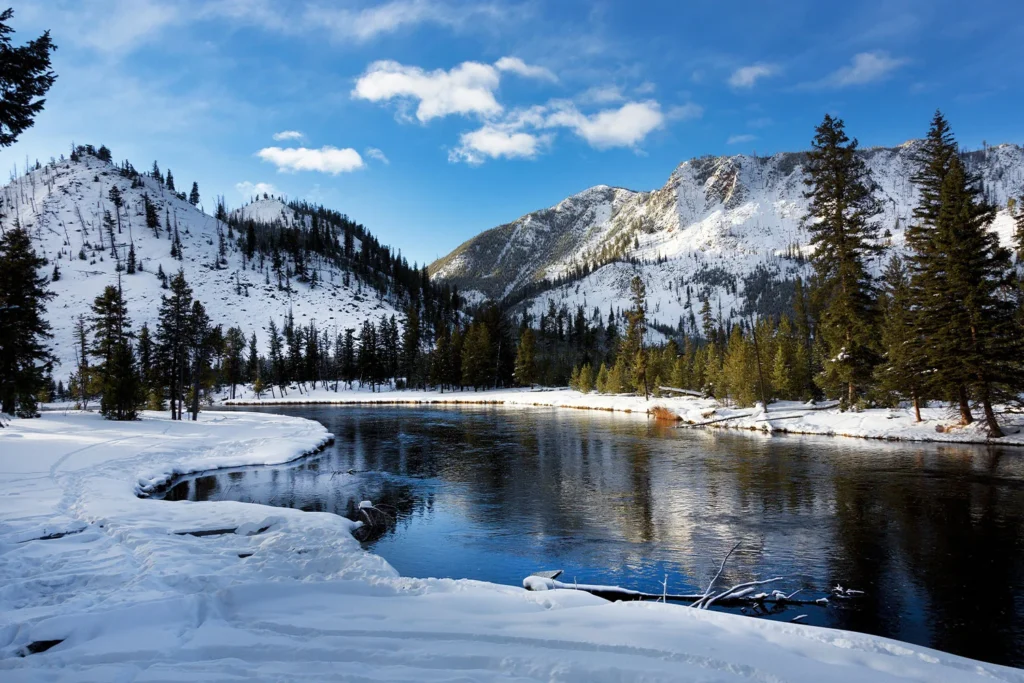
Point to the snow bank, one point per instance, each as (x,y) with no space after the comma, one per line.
(290,595)
(783,417)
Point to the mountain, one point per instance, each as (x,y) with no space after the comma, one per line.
(62,204)
(729,228)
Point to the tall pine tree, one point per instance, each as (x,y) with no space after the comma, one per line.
(840,220)
(25,360)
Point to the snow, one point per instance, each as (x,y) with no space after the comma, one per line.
(135,599)
(782,417)
(715,217)
(62,208)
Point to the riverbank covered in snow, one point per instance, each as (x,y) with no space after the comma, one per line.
(132,593)
(783,417)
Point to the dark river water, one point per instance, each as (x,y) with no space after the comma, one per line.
(932,534)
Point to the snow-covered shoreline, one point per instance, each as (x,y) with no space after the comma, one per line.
(784,417)
(291,595)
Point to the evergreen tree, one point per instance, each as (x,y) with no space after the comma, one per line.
(526,358)
(898,374)
(411,334)
(277,361)
(476,356)
(131,259)
(1018,234)
(117,377)
(963,304)
(252,362)
(152,217)
(118,201)
(234,362)
(632,351)
(193,196)
(24,358)
(200,348)
(170,181)
(173,339)
(26,77)
(842,206)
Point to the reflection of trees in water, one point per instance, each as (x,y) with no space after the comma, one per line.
(947,536)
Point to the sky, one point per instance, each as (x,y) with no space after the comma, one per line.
(430,121)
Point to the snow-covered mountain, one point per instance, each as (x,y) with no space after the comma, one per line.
(725,227)
(62,204)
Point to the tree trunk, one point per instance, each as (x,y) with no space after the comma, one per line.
(966,417)
(990,415)
(917,405)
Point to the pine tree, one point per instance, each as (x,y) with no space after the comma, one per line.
(234,363)
(476,356)
(1018,234)
(252,361)
(24,358)
(200,347)
(115,198)
(842,206)
(964,307)
(131,258)
(526,358)
(26,77)
(632,351)
(173,337)
(170,181)
(193,196)
(898,373)
(277,362)
(411,335)
(117,377)
(152,217)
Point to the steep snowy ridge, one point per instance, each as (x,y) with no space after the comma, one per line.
(62,206)
(720,225)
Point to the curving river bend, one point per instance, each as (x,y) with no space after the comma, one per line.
(933,534)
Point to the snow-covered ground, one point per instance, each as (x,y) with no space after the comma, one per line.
(290,595)
(783,417)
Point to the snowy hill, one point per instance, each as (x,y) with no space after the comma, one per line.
(725,227)
(63,203)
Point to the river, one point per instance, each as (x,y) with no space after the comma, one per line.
(932,534)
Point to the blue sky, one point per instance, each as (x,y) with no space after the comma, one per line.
(432,120)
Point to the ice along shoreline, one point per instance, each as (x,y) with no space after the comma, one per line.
(784,417)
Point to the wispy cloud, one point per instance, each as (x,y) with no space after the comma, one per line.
(747,76)
(324,160)
(740,139)
(518,66)
(288,135)
(762,122)
(369,23)
(249,189)
(866,67)
(376,154)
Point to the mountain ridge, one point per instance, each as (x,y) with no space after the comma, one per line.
(717,222)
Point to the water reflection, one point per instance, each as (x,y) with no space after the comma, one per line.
(932,534)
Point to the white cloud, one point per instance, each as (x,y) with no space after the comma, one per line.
(626,126)
(368,23)
(249,189)
(288,135)
(762,122)
(113,27)
(325,160)
(685,112)
(466,89)
(866,67)
(747,76)
(374,153)
(601,94)
(740,139)
(518,66)
(496,141)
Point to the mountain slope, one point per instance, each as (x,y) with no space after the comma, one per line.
(62,205)
(722,227)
